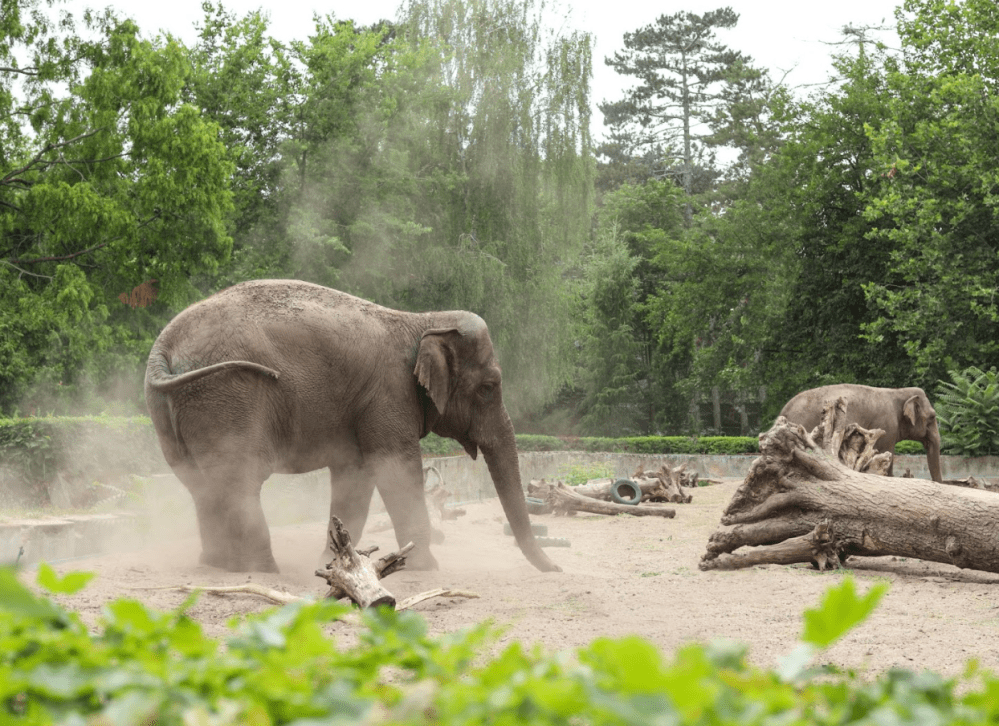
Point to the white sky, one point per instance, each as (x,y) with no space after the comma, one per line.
(781,35)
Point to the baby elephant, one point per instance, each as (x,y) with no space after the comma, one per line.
(286,376)
(905,414)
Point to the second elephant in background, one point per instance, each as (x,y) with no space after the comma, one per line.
(905,414)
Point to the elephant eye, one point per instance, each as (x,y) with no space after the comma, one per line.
(486,390)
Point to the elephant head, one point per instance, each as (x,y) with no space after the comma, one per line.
(919,423)
(461,374)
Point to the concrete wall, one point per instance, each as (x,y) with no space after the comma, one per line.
(166,509)
(469,480)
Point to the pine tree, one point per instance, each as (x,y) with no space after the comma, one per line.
(685,76)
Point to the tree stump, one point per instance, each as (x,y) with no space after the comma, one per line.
(819,497)
(352,574)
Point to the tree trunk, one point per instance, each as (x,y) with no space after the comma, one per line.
(817,497)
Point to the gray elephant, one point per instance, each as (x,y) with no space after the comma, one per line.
(286,376)
(905,414)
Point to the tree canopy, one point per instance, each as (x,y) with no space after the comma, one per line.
(443,159)
(107,180)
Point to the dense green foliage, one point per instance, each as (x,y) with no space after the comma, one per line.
(107,180)
(279,667)
(443,159)
(968,410)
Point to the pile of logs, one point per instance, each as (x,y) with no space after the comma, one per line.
(820,497)
(658,488)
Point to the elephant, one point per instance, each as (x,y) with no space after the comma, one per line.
(287,376)
(905,414)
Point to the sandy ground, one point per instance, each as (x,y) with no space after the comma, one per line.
(622,575)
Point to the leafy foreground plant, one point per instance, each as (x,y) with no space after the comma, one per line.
(145,667)
(968,409)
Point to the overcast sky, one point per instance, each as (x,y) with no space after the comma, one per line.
(781,35)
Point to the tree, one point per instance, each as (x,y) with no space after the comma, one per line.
(628,377)
(822,174)
(249,84)
(498,191)
(291,116)
(683,73)
(107,181)
(937,211)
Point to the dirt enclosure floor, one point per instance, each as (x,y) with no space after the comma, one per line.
(622,575)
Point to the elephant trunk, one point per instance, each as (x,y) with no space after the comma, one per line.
(932,446)
(501,457)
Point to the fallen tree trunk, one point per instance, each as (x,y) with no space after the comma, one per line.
(825,479)
(565,500)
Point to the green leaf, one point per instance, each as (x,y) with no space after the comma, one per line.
(67,585)
(841,609)
(18,600)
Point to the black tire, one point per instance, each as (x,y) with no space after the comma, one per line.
(538,506)
(625,491)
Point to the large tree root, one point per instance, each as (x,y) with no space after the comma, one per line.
(820,497)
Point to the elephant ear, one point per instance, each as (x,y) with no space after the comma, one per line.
(434,364)
(913,410)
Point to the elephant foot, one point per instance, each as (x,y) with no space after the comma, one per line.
(264,563)
(421,559)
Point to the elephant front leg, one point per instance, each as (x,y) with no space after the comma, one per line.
(350,499)
(401,489)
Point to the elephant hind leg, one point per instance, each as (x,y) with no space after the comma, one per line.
(234,533)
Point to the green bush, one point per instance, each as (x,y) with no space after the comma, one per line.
(968,412)
(717,445)
(87,448)
(434,445)
(909,448)
(534,442)
(576,474)
(141,666)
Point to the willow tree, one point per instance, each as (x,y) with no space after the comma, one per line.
(499,149)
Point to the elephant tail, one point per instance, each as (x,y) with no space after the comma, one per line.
(159,377)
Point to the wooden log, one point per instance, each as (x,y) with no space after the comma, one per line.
(803,479)
(566,501)
(819,547)
(353,575)
(667,485)
(664,484)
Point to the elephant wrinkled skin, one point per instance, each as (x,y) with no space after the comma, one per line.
(286,376)
(905,414)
